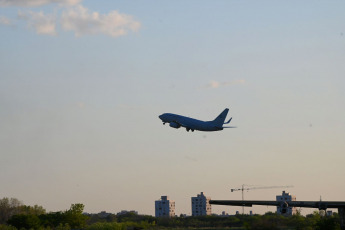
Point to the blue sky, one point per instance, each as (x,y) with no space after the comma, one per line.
(83,83)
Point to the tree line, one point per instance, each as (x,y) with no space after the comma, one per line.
(15,215)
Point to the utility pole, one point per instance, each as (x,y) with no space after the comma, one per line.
(252,188)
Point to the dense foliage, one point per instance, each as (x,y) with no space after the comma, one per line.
(12,206)
(72,218)
(268,221)
(14,215)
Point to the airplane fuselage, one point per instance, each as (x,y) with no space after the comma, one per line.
(177,121)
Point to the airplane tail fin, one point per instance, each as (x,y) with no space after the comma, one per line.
(219,121)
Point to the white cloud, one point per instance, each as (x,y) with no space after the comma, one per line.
(5,21)
(216,84)
(73,17)
(41,23)
(33,3)
(213,84)
(83,22)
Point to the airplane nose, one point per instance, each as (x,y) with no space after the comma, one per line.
(160,117)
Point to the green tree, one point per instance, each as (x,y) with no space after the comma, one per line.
(313,219)
(6,227)
(52,219)
(107,226)
(8,208)
(74,216)
(328,223)
(63,227)
(25,221)
(33,210)
(297,221)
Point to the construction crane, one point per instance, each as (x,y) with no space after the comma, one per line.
(245,188)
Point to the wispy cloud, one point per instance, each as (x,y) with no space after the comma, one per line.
(5,21)
(33,3)
(41,23)
(217,84)
(83,22)
(73,17)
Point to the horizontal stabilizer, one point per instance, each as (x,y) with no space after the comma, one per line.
(230,127)
(228,121)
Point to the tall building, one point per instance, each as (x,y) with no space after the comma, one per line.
(164,207)
(289,210)
(201,205)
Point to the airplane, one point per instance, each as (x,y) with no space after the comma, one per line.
(176,121)
(284,205)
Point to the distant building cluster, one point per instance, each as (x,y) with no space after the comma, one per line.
(103,214)
(200,206)
(164,207)
(225,214)
(125,212)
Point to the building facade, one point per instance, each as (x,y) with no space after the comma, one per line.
(289,210)
(201,205)
(164,207)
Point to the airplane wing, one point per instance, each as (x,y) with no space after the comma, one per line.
(181,124)
(322,205)
(248,203)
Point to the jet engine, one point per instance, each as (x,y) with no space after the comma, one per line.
(174,125)
(284,208)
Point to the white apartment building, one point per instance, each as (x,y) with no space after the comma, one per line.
(164,207)
(201,205)
(289,210)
